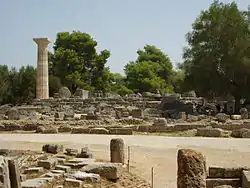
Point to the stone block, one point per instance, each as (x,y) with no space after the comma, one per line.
(216,182)
(236,117)
(47,164)
(52,130)
(191,169)
(58,171)
(137,113)
(220,172)
(33,170)
(63,167)
(72,183)
(83,176)
(245,179)
(238,133)
(99,131)
(120,131)
(14,174)
(34,183)
(52,148)
(80,130)
(212,132)
(110,171)
(71,152)
(160,122)
(64,129)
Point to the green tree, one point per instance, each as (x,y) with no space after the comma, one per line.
(4,84)
(76,62)
(23,85)
(118,84)
(150,72)
(217,59)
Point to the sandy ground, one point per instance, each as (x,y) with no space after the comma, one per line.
(158,152)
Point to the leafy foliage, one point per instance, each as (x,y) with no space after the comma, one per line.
(150,72)
(217,60)
(77,64)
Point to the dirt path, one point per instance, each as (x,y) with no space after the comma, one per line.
(146,151)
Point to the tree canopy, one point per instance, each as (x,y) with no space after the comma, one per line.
(151,71)
(217,58)
(77,64)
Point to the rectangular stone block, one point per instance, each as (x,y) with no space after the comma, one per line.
(33,170)
(121,131)
(215,182)
(245,179)
(62,167)
(220,172)
(47,164)
(72,183)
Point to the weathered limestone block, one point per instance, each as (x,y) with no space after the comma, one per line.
(220,172)
(64,92)
(238,133)
(246,134)
(80,130)
(212,132)
(117,150)
(72,183)
(33,170)
(13,127)
(160,122)
(47,164)
(99,131)
(83,176)
(14,172)
(71,151)
(64,129)
(137,113)
(110,171)
(191,169)
(245,179)
(121,131)
(50,130)
(13,114)
(52,148)
(63,168)
(235,117)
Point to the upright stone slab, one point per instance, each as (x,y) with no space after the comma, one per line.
(15,178)
(117,150)
(4,172)
(191,169)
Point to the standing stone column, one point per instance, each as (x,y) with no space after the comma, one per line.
(42,72)
(14,172)
(117,150)
(191,169)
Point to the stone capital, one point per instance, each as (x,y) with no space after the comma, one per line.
(42,41)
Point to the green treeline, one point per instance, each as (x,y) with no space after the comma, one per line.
(216,63)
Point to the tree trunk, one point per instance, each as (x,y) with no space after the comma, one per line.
(237,105)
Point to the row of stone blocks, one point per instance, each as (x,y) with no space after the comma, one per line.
(192,173)
(9,173)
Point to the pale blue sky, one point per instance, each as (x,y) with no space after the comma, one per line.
(122,26)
